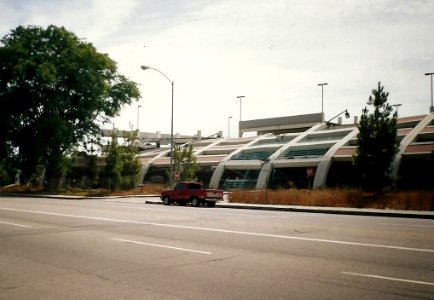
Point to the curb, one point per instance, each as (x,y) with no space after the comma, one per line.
(325,210)
(340,211)
(66,197)
(305,209)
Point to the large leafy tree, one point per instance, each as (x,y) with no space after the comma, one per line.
(377,144)
(55,90)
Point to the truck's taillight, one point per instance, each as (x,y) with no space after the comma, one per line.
(214,194)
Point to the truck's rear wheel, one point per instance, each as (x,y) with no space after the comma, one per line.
(166,200)
(195,202)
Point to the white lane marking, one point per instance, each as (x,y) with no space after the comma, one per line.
(388,278)
(220,230)
(406,225)
(15,224)
(161,246)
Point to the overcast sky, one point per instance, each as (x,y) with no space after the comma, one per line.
(272,52)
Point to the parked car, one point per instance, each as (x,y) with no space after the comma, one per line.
(191,192)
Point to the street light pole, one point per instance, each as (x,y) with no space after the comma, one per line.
(322,98)
(347,115)
(240,98)
(229,126)
(432,101)
(144,68)
(138,109)
(396,106)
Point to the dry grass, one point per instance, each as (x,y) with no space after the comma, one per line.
(408,200)
(13,188)
(148,189)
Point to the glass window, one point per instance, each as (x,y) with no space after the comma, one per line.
(179,186)
(194,186)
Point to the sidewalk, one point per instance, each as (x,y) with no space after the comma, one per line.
(335,210)
(323,210)
(154,199)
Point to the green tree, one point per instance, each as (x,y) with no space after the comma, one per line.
(91,169)
(113,167)
(130,161)
(122,164)
(377,144)
(3,174)
(55,90)
(184,162)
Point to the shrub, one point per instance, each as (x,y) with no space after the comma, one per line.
(407,200)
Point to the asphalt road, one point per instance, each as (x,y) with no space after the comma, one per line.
(113,249)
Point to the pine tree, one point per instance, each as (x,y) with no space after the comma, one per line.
(377,143)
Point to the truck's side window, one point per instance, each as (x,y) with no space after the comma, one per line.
(194,186)
(179,186)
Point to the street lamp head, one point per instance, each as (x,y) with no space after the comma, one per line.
(144,68)
(347,115)
(320,84)
(426,74)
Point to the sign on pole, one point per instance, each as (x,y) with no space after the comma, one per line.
(310,172)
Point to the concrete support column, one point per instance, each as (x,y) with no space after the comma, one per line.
(145,167)
(268,166)
(217,174)
(262,182)
(406,141)
(326,162)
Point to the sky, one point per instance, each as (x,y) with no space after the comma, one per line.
(275,53)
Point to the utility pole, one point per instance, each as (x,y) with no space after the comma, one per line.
(431,109)
(138,109)
(240,98)
(322,98)
(396,106)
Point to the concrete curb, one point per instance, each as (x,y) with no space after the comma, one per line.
(65,197)
(269,207)
(335,211)
(325,210)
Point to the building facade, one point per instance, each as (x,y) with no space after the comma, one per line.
(299,151)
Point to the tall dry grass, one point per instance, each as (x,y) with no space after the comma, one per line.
(405,200)
(147,189)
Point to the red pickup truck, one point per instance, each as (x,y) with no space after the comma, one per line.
(191,192)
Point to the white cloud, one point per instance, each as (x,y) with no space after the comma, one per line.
(91,19)
(273,52)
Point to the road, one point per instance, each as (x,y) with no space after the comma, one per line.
(125,249)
